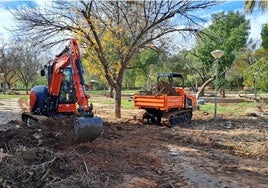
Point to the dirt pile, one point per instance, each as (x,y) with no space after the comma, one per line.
(45,156)
(53,133)
(36,167)
(130,154)
(162,88)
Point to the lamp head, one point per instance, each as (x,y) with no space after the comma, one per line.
(217,54)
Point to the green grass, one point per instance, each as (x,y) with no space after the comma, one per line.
(101,92)
(228,107)
(129,92)
(98,92)
(125,104)
(13,96)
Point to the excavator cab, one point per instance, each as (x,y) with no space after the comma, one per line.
(67,92)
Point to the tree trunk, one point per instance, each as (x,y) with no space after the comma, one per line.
(239,83)
(8,85)
(118,101)
(27,89)
(111,92)
(201,89)
(223,93)
(207,82)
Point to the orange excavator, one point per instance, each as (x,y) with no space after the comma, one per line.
(65,96)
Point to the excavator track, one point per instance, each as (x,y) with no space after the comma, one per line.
(32,119)
(169,119)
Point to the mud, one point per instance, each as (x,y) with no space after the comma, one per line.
(231,153)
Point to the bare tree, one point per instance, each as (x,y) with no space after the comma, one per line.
(27,64)
(7,65)
(129,26)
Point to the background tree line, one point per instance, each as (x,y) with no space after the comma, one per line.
(20,62)
(125,42)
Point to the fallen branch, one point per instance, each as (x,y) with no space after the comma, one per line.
(86,167)
(2,154)
(43,165)
(7,148)
(47,172)
(171,185)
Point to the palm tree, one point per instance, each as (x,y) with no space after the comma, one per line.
(250,5)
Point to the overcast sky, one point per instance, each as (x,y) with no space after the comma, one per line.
(256,19)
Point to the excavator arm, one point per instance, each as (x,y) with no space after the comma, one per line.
(86,127)
(70,56)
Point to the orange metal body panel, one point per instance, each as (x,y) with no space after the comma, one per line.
(180,91)
(162,102)
(193,98)
(149,101)
(175,102)
(67,108)
(32,100)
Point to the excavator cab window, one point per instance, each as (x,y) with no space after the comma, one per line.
(67,92)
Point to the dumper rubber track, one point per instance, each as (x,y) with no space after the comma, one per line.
(178,117)
(170,119)
(149,118)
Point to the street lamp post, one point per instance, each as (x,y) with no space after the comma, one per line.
(217,55)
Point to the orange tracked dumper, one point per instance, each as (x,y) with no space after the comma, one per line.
(167,101)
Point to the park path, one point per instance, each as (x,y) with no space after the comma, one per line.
(9,110)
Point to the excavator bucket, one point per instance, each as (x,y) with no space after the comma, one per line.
(87,129)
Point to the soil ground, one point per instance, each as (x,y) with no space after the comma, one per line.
(231,153)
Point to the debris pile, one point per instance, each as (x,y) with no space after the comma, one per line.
(161,88)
